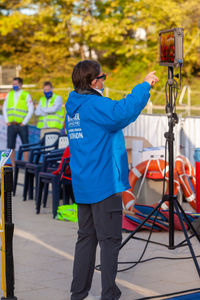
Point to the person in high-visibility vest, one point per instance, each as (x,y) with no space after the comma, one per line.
(49,110)
(17,111)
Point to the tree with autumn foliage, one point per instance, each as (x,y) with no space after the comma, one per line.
(47,37)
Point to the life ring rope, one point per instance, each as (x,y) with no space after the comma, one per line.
(141,170)
(183,172)
(136,172)
(142,182)
(186,172)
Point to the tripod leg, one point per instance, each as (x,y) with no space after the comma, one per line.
(139,226)
(188,221)
(187,238)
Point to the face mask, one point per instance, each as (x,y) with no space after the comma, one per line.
(102,89)
(15,88)
(48,94)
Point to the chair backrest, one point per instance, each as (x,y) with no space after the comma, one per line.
(63,142)
(52,159)
(50,138)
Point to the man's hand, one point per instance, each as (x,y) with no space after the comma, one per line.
(151,78)
(21,124)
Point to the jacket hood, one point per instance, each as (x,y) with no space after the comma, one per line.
(76,99)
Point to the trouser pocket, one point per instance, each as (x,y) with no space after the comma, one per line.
(107,216)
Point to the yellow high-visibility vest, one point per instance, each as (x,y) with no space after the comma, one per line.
(17,113)
(53,120)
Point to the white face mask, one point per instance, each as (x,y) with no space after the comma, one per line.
(101,90)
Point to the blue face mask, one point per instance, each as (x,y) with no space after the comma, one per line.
(15,88)
(48,94)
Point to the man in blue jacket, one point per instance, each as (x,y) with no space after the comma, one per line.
(99,168)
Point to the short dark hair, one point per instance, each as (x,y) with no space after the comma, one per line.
(47,83)
(19,79)
(84,72)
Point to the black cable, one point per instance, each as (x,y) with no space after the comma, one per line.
(171,110)
(175,95)
(170,294)
(135,263)
(98,267)
(166,94)
(155,218)
(159,257)
(175,86)
(180,78)
(151,231)
(163,192)
(145,248)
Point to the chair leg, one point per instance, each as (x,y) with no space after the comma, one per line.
(46,189)
(61,193)
(39,196)
(71,193)
(31,184)
(15,180)
(26,183)
(36,192)
(36,181)
(56,195)
(66,193)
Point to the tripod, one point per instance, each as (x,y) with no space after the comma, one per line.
(172,200)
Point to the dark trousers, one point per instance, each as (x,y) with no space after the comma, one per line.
(99,222)
(12,132)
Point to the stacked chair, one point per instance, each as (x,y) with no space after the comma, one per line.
(58,178)
(38,163)
(47,143)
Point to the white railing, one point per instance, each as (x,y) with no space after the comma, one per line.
(185,109)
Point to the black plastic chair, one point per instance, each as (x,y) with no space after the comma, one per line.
(48,139)
(46,178)
(32,169)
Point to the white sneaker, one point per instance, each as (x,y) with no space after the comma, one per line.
(90,297)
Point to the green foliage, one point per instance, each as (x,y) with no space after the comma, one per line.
(51,38)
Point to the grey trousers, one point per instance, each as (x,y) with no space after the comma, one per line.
(98,223)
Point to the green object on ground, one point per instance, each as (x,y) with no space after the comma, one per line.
(67,213)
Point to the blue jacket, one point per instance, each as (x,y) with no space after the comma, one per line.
(98,162)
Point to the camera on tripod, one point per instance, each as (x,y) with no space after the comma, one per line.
(171,47)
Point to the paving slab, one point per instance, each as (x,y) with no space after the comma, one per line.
(43,257)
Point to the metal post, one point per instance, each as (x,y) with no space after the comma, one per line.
(106,92)
(171,159)
(7,230)
(1,76)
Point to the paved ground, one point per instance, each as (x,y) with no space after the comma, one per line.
(43,255)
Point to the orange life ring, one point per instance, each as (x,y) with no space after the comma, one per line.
(185,169)
(128,196)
